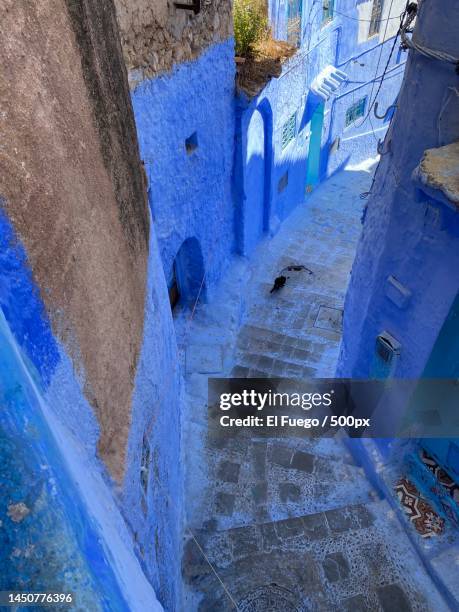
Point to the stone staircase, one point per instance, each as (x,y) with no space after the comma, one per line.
(287,524)
(287,528)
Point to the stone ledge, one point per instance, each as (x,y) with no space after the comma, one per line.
(438,170)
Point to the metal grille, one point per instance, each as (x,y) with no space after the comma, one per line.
(328,7)
(294,31)
(289,130)
(294,22)
(355,111)
(376,15)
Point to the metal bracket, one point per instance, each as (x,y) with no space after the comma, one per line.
(195,6)
(375,109)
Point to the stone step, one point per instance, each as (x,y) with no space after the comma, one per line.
(273,339)
(256,366)
(294,350)
(341,559)
(258,480)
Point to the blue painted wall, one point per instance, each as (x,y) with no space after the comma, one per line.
(344,43)
(21,303)
(155,517)
(404,278)
(56,546)
(408,234)
(155,514)
(190,191)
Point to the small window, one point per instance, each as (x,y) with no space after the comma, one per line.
(288,130)
(283,182)
(356,110)
(294,22)
(328,7)
(145,465)
(191,143)
(334,147)
(174,292)
(376,15)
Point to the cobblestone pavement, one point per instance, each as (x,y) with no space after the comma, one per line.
(287,524)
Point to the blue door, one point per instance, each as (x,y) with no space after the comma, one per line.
(315,141)
(444,363)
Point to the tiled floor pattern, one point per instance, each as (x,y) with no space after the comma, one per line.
(442,477)
(424,518)
(288,524)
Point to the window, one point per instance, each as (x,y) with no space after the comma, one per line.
(355,111)
(289,130)
(283,182)
(376,14)
(294,22)
(145,464)
(191,143)
(328,7)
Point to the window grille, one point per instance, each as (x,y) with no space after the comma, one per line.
(294,22)
(289,130)
(376,15)
(356,111)
(328,7)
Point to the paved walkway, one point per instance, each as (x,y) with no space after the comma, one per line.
(287,524)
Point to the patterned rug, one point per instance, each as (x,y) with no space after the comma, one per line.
(425,520)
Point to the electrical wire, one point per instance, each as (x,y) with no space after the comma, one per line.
(335,12)
(372,102)
(409,43)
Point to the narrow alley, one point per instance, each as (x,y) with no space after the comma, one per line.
(292,523)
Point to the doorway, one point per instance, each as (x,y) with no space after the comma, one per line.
(187,285)
(254,217)
(444,363)
(315,143)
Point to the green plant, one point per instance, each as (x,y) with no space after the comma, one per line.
(250,25)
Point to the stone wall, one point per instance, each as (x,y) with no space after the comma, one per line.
(156,35)
(73,190)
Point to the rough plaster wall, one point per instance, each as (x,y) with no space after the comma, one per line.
(156,35)
(407,234)
(75,194)
(155,517)
(190,192)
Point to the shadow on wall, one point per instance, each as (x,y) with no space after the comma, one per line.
(188,275)
(271,181)
(252,177)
